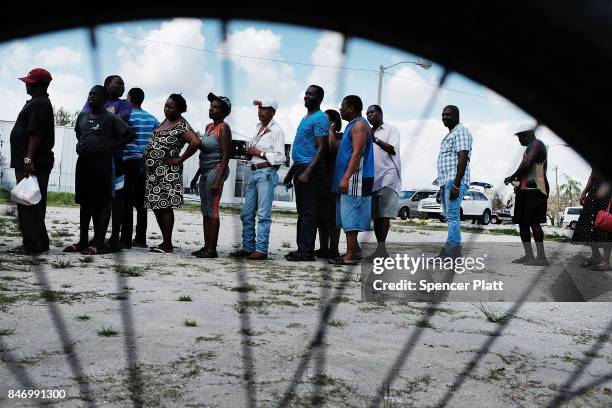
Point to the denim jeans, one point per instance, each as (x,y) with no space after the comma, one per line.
(451,210)
(258,197)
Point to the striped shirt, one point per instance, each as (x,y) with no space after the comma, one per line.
(143,123)
(455,141)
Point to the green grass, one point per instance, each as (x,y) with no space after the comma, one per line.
(53,199)
(87,259)
(493,317)
(336,323)
(83,317)
(215,338)
(60,263)
(247,287)
(130,271)
(190,323)
(107,332)
(184,298)
(496,373)
(6,332)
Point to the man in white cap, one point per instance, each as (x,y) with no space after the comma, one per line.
(531,195)
(265,152)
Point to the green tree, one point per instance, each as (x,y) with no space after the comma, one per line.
(63,117)
(570,191)
(497,202)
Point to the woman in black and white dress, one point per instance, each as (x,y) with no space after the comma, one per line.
(164,167)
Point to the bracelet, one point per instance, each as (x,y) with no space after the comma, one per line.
(456,188)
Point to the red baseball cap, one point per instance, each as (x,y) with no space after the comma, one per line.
(37,75)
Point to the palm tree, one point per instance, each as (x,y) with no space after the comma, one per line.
(570,191)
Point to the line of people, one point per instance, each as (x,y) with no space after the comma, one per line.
(342,180)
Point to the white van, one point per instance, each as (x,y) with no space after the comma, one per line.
(570,217)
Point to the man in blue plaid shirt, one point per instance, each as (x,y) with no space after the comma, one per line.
(453,176)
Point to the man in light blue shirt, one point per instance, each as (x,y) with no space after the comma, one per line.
(143,123)
(307,152)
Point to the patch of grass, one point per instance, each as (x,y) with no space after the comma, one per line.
(87,259)
(61,296)
(184,298)
(214,338)
(247,287)
(83,317)
(585,336)
(66,285)
(294,325)
(257,306)
(123,295)
(278,292)
(60,263)
(190,323)
(424,324)
(417,384)
(130,271)
(107,332)
(286,244)
(493,317)
(6,332)
(61,233)
(496,373)
(8,278)
(335,323)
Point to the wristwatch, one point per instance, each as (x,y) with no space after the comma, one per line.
(27,160)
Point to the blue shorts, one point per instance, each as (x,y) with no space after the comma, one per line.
(353,213)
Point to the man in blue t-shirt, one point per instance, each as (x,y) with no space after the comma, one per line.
(307,153)
(143,123)
(353,179)
(115,87)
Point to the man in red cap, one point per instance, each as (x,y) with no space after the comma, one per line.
(32,140)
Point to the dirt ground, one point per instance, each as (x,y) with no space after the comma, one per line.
(170,330)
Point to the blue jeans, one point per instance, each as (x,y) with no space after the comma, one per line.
(258,197)
(451,210)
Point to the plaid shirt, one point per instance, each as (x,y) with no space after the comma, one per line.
(456,140)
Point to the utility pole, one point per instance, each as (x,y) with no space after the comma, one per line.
(556,170)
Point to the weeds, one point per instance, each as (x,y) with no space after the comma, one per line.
(493,317)
(190,323)
(107,332)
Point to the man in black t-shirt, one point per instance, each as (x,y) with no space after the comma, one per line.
(32,140)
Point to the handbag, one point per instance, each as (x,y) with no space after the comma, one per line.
(603,220)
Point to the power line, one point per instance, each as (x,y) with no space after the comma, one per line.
(306,64)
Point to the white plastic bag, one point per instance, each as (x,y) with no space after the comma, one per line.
(27,192)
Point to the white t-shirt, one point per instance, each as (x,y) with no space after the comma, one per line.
(387,168)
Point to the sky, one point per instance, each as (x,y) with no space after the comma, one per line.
(259,59)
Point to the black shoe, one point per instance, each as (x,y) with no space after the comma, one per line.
(240,254)
(522,259)
(139,244)
(297,257)
(113,245)
(125,245)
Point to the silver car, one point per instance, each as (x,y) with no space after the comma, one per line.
(409,202)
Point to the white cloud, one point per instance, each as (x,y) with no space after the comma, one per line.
(58,57)
(406,88)
(163,69)
(327,52)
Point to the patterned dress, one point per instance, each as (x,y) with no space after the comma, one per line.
(164,187)
(598,199)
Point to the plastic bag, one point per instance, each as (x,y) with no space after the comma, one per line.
(27,192)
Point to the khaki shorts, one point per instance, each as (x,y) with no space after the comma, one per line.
(385,203)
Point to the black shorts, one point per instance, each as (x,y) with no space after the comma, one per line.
(530,207)
(93,180)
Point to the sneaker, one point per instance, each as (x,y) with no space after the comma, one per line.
(297,257)
(241,253)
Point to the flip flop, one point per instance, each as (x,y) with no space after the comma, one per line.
(341,262)
(590,261)
(72,248)
(158,250)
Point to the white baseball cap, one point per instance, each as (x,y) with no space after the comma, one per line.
(266,103)
(524,127)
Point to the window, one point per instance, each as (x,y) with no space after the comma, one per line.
(240,173)
(481,197)
(574,211)
(405,195)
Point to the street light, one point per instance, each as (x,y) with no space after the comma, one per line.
(381,71)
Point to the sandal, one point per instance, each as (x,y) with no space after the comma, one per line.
(159,250)
(590,261)
(199,251)
(602,267)
(341,262)
(207,254)
(72,248)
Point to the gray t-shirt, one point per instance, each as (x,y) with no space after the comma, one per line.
(210,146)
(97,135)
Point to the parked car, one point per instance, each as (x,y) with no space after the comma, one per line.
(570,217)
(475,206)
(409,202)
(498,217)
